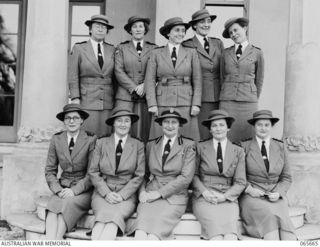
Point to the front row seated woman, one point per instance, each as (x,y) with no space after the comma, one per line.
(71,150)
(171,165)
(264,208)
(116,170)
(219,180)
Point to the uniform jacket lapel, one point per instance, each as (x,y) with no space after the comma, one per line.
(181,55)
(231,52)
(210,155)
(246,52)
(199,47)
(274,155)
(80,142)
(256,154)
(213,48)
(229,156)
(110,150)
(65,147)
(145,49)
(174,150)
(132,49)
(90,55)
(127,150)
(167,57)
(107,59)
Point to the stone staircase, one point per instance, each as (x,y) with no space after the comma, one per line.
(188,229)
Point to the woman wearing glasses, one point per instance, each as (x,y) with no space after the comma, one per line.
(71,150)
(90,75)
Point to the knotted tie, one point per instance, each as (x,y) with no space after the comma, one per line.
(219,157)
(206,45)
(100,57)
(139,48)
(71,145)
(118,154)
(174,56)
(265,155)
(239,52)
(166,152)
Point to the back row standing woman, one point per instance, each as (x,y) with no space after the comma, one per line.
(173,79)
(130,65)
(210,51)
(90,75)
(243,71)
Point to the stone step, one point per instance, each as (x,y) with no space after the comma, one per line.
(35,228)
(188,225)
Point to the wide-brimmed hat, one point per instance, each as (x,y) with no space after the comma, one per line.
(218,114)
(201,14)
(72,108)
(102,19)
(134,19)
(230,22)
(122,111)
(263,114)
(172,113)
(170,23)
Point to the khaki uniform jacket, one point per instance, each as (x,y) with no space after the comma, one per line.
(74,167)
(243,78)
(172,182)
(279,177)
(231,182)
(130,173)
(87,81)
(130,68)
(173,86)
(210,66)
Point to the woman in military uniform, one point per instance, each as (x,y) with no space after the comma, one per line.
(71,150)
(243,69)
(264,208)
(130,65)
(116,171)
(210,51)
(173,79)
(171,165)
(219,180)
(90,75)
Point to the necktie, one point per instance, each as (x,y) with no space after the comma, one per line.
(100,57)
(265,155)
(139,48)
(239,52)
(71,145)
(219,157)
(118,154)
(166,152)
(174,56)
(206,45)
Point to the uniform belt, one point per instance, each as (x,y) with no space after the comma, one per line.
(123,179)
(238,78)
(216,179)
(77,174)
(164,179)
(262,180)
(96,80)
(174,81)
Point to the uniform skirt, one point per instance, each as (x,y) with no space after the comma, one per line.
(71,208)
(95,123)
(141,128)
(217,219)
(158,218)
(190,129)
(241,111)
(116,213)
(261,216)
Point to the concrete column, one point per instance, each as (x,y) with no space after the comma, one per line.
(302,103)
(43,95)
(172,8)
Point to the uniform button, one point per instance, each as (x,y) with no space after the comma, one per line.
(139,60)
(139,72)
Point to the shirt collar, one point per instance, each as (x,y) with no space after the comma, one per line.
(117,138)
(200,38)
(95,43)
(223,142)
(165,140)
(244,45)
(171,47)
(267,141)
(135,42)
(74,137)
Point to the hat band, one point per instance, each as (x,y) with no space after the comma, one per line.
(263,116)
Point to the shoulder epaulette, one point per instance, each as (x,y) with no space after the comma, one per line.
(108,43)
(181,137)
(277,140)
(245,140)
(125,42)
(157,139)
(159,47)
(137,138)
(237,144)
(187,40)
(150,43)
(58,133)
(103,136)
(89,133)
(204,140)
(256,47)
(82,42)
(214,38)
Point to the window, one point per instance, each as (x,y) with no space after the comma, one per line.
(80,11)
(224,10)
(12,28)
